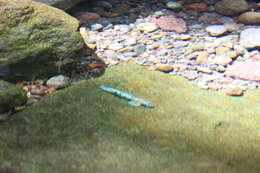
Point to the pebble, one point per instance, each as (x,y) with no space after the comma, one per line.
(234,92)
(200,7)
(216,30)
(250,17)
(96,27)
(174,5)
(115,46)
(147,27)
(59,81)
(164,67)
(247,70)
(170,23)
(250,38)
(231,7)
(222,60)
(173,40)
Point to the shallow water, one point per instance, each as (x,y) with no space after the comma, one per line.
(82,129)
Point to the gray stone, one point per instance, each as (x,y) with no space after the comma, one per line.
(216,30)
(250,38)
(59,81)
(174,5)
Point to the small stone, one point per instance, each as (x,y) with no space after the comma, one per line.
(87,17)
(147,27)
(104,4)
(250,38)
(234,92)
(184,37)
(247,70)
(221,68)
(222,60)
(59,81)
(250,17)
(115,46)
(204,70)
(174,5)
(170,23)
(231,7)
(164,67)
(202,57)
(216,30)
(200,7)
(229,23)
(96,27)
(130,42)
(190,74)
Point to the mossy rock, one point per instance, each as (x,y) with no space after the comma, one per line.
(10,96)
(83,129)
(61,4)
(34,37)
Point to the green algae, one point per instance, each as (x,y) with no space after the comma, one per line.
(82,129)
(40,35)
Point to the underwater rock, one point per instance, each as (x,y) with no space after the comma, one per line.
(61,4)
(59,81)
(35,37)
(10,96)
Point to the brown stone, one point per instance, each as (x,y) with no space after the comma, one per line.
(164,67)
(87,17)
(170,23)
(231,7)
(250,18)
(248,70)
(234,92)
(200,7)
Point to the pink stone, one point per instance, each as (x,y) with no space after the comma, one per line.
(248,70)
(170,23)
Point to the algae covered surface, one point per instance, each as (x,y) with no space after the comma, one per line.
(83,129)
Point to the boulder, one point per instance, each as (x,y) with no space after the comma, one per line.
(36,39)
(61,4)
(10,96)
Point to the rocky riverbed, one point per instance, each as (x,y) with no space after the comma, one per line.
(197,41)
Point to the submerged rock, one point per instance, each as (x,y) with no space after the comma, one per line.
(231,7)
(250,38)
(250,17)
(61,4)
(34,37)
(59,81)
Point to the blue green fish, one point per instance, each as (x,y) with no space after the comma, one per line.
(132,100)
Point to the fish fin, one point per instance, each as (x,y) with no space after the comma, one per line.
(134,103)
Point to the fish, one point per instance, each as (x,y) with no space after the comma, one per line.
(132,100)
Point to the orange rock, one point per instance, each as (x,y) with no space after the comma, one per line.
(202,57)
(234,92)
(197,7)
(164,67)
(49,91)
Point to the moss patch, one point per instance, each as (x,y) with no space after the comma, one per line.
(10,96)
(83,129)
